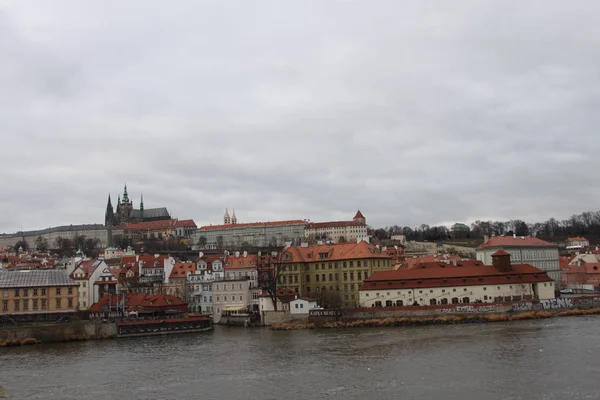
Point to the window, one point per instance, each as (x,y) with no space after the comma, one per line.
(58,301)
(485,297)
(57,291)
(431,291)
(70,290)
(295,305)
(70,303)
(224,298)
(455,300)
(323,277)
(345,276)
(35,304)
(307,278)
(351,264)
(330,277)
(24,292)
(358,263)
(218,298)
(302,305)
(420,291)
(388,303)
(352,286)
(25,305)
(351,276)
(399,303)
(317,278)
(433,302)
(17,305)
(84,304)
(484,288)
(5,305)
(359,276)
(17,292)
(465,289)
(344,264)
(466,300)
(240,298)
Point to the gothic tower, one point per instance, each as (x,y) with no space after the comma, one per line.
(109,216)
(233,218)
(227,218)
(124,208)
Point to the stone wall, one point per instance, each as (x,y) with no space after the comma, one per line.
(59,332)
(277,317)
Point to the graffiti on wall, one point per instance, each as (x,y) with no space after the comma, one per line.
(470,309)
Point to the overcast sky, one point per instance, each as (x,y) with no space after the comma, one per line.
(413,112)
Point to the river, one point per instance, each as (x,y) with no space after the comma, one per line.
(542,359)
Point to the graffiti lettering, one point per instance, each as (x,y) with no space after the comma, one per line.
(553,304)
(469,309)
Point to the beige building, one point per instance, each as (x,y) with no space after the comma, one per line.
(234,297)
(335,231)
(37,294)
(525,250)
(438,283)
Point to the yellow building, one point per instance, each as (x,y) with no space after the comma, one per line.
(330,273)
(37,294)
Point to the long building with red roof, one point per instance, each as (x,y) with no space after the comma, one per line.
(259,234)
(526,250)
(434,283)
(338,230)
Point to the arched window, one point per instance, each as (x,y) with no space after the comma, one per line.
(389,303)
(444,301)
(432,302)
(455,300)
(399,303)
(378,304)
(466,300)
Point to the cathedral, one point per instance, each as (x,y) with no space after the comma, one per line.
(126,214)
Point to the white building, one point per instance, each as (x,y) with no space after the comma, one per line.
(336,230)
(302,305)
(577,243)
(200,285)
(524,250)
(258,234)
(86,274)
(472,282)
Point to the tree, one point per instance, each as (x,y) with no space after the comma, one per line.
(64,246)
(220,242)
(79,242)
(22,244)
(41,244)
(202,241)
(269,267)
(90,245)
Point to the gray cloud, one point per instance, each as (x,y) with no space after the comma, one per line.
(414,113)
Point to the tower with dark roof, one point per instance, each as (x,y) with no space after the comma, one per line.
(359,217)
(109,215)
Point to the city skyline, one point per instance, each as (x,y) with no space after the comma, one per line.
(411,113)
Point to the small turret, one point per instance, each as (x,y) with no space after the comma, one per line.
(233,218)
(125,196)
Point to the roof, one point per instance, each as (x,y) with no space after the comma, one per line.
(577,239)
(441,274)
(87,267)
(185,223)
(333,224)
(35,278)
(160,212)
(358,215)
(181,270)
(139,301)
(252,224)
(249,261)
(310,299)
(415,261)
(332,252)
(501,253)
(151,225)
(516,241)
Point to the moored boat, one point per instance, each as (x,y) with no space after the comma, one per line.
(150,327)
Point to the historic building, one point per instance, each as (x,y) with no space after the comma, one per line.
(258,234)
(330,273)
(466,282)
(526,250)
(37,294)
(126,214)
(338,230)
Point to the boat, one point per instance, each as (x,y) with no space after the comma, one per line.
(151,327)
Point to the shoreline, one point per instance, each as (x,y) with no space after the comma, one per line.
(441,320)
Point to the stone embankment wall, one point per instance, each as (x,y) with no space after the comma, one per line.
(59,332)
(456,309)
(277,317)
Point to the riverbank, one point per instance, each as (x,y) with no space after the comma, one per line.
(441,320)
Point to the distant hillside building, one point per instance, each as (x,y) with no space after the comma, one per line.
(336,230)
(126,214)
(576,243)
(524,250)
(460,231)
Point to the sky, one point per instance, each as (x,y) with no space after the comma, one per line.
(411,111)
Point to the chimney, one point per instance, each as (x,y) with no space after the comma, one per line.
(514,235)
(501,261)
(245,254)
(200,255)
(237,253)
(485,238)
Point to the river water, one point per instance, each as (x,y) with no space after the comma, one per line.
(545,359)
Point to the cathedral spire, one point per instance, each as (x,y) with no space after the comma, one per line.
(110,213)
(233,218)
(142,202)
(125,197)
(227,218)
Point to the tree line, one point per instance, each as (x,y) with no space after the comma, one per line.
(584,224)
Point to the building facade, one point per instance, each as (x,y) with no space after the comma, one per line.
(126,214)
(336,231)
(471,282)
(91,231)
(330,273)
(37,294)
(523,250)
(577,243)
(256,234)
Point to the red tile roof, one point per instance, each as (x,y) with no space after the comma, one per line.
(181,270)
(87,267)
(233,226)
(333,252)
(185,223)
(410,263)
(333,224)
(151,225)
(250,261)
(577,239)
(359,215)
(442,275)
(500,253)
(519,241)
(140,301)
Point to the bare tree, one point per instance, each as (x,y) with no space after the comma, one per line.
(202,241)
(269,267)
(41,244)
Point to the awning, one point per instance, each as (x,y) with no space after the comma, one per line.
(235,308)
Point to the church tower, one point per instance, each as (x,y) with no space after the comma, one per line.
(226,218)
(109,216)
(233,218)
(124,208)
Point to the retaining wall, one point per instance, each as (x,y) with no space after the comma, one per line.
(59,332)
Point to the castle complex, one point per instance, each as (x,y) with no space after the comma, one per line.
(126,214)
